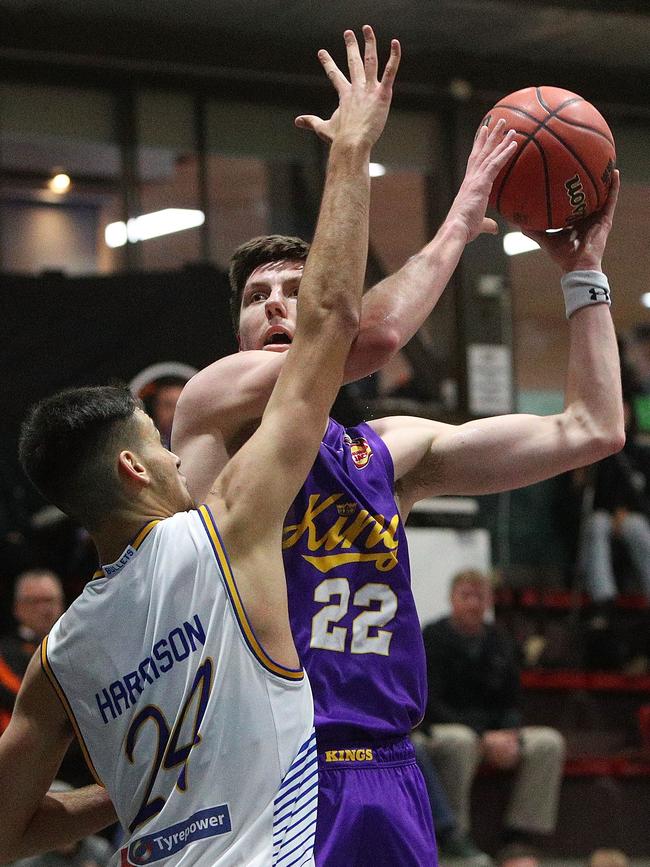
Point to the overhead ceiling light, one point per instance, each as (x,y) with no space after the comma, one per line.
(645,299)
(516,242)
(60,183)
(377,170)
(152,225)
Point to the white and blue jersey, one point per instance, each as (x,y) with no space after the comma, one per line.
(203,742)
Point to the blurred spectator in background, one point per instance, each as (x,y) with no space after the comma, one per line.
(617,505)
(608,858)
(451,842)
(160,399)
(38,603)
(15,555)
(517,855)
(473,716)
(636,354)
(89,852)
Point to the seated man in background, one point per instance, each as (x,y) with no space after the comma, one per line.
(473,715)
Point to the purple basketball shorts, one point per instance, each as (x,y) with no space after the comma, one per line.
(373,808)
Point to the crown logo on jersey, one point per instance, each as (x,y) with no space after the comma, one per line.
(346,510)
(359,449)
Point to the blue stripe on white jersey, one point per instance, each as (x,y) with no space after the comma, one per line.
(294,814)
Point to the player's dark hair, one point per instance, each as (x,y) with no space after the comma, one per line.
(68,443)
(256,252)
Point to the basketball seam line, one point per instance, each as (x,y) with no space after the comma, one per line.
(531,137)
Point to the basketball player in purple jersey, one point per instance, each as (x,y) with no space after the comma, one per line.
(352,611)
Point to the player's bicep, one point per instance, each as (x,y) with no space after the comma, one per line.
(408,440)
(495,454)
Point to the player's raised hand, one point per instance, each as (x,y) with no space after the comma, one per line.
(581,247)
(364,99)
(491,151)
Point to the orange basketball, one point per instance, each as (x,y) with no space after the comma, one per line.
(562,168)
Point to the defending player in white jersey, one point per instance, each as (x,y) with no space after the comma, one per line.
(176,667)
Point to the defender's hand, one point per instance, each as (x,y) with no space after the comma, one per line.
(491,151)
(364,100)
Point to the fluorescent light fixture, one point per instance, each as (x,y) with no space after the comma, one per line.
(60,183)
(152,225)
(516,242)
(645,299)
(115,234)
(377,170)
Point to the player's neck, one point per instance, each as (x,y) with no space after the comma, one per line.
(112,539)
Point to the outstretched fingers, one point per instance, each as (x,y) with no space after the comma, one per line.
(480,147)
(370,60)
(392,65)
(331,69)
(503,151)
(355,64)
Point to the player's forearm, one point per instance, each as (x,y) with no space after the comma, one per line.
(337,261)
(395,308)
(593,390)
(63,818)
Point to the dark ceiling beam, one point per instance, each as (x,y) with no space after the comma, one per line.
(636,7)
(66,50)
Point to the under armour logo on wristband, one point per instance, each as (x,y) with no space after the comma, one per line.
(599,294)
(583,288)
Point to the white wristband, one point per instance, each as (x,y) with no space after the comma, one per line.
(582,288)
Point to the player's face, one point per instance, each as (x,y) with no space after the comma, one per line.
(267,317)
(164,467)
(470,601)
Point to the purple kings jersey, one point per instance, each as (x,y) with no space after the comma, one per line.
(352,611)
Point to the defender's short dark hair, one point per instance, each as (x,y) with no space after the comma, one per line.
(256,252)
(67,448)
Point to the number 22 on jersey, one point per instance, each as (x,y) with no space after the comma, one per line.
(367,633)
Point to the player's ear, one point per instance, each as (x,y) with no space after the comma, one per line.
(131,470)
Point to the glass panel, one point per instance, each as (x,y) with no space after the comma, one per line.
(45,131)
(252,149)
(238,197)
(168,173)
(405,201)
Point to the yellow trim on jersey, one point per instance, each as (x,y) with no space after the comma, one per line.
(240,611)
(66,706)
(135,544)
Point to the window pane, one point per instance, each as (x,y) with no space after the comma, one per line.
(238,203)
(168,173)
(45,131)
